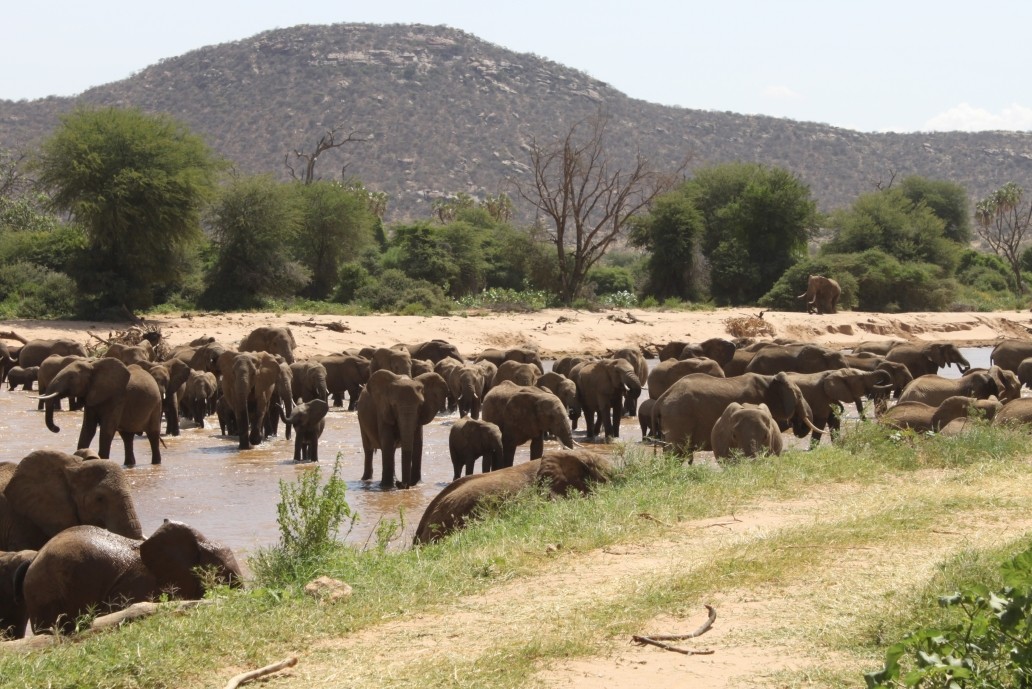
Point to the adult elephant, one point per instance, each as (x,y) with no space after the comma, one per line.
(1015,412)
(266,338)
(131,354)
(49,491)
(687,411)
(746,429)
(524,355)
(118,398)
(641,369)
(466,385)
(392,411)
(34,352)
(309,381)
(345,373)
(170,376)
(308,420)
(13,614)
(821,295)
(1010,353)
(397,361)
(933,389)
(433,350)
(925,418)
(566,390)
(85,569)
(197,396)
(716,348)
(525,413)
(567,363)
(795,359)
(666,373)
(50,367)
(558,471)
(249,380)
(604,388)
(922,360)
(518,372)
(825,390)
(470,439)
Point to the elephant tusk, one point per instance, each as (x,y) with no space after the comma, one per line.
(51,396)
(816,431)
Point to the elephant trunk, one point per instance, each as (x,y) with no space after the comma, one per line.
(564,432)
(49,403)
(411,446)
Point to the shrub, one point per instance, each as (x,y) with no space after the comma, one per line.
(990,645)
(32,291)
(393,291)
(611,279)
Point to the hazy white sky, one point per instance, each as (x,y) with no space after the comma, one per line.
(871,65)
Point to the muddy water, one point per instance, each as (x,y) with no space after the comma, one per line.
(231,496)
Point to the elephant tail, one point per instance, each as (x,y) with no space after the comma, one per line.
(19,582)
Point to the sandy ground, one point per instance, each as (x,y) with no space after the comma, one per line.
(559,332)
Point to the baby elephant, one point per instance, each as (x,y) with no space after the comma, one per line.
(13,615)
(472,438)
(24,377)
(308,420)
(747,428)
(88,569)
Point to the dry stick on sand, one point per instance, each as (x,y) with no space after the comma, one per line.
(658,639)
(261,672)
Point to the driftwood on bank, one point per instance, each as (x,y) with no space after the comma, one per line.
(102,623)
(261,672)
(660,639)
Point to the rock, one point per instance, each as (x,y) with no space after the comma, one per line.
(329,590)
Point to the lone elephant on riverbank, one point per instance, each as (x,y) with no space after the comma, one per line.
(821,295)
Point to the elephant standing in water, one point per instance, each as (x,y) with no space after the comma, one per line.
(526,413)
(117,398)
(821,295)
(249,380)
(308,420)
(85,569)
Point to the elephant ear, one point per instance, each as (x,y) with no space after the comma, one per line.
(39,491)
(170,554)
(109,378)
(781,397)
(566,469)
(317,410)
(837,387)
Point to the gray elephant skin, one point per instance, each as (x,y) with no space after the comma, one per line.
(308,420)
(525,413)
(272,340)
(605,388)
(249,380)
(13,613)
(392,411)
(49,491)
(746,429)
(88,569)
(560,471)
(121,399)
(821,295)
(687,411)
(468,440)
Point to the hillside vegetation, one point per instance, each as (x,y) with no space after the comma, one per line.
(452,113)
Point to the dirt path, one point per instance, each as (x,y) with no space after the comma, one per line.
(762,632)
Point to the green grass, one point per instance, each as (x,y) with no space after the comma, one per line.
(650,494)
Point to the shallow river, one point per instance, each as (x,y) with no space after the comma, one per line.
(231,496)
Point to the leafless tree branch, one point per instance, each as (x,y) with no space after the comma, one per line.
(333,138)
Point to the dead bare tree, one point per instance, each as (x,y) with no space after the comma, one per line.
(581,191)
(333,138)
(1004,222)
(12,173)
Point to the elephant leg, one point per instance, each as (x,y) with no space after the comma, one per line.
(88,430)
(416,474)
(617,414)
(387,461)
(298,449)
(313,447)
(127,441)
(537,447)
(154,439)
(509,451)
(172,417)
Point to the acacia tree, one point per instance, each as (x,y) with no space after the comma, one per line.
(331,139)
(1003,221)
(136,183)
(586,197)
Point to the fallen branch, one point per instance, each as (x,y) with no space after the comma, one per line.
(646,515)
(659,639)
(261,672)
(734,520)
(335,326)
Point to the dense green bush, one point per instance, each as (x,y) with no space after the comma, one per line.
(611,279)
(393,291)
(32,291)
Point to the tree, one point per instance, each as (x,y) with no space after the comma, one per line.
(331,139)
(1003,221)
(890,221)
(587,199)
(336,224)
(671,233)
(756,221)
(947,200)
(136,183)
(253,224)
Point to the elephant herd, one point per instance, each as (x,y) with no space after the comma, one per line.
(734,398)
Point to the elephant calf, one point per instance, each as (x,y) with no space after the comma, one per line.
(559,470)
(308,420)
(472,438)
(24,377)
(748,429)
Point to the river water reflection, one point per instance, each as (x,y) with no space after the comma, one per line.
(231,496)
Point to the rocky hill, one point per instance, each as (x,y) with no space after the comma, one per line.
(452,113)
